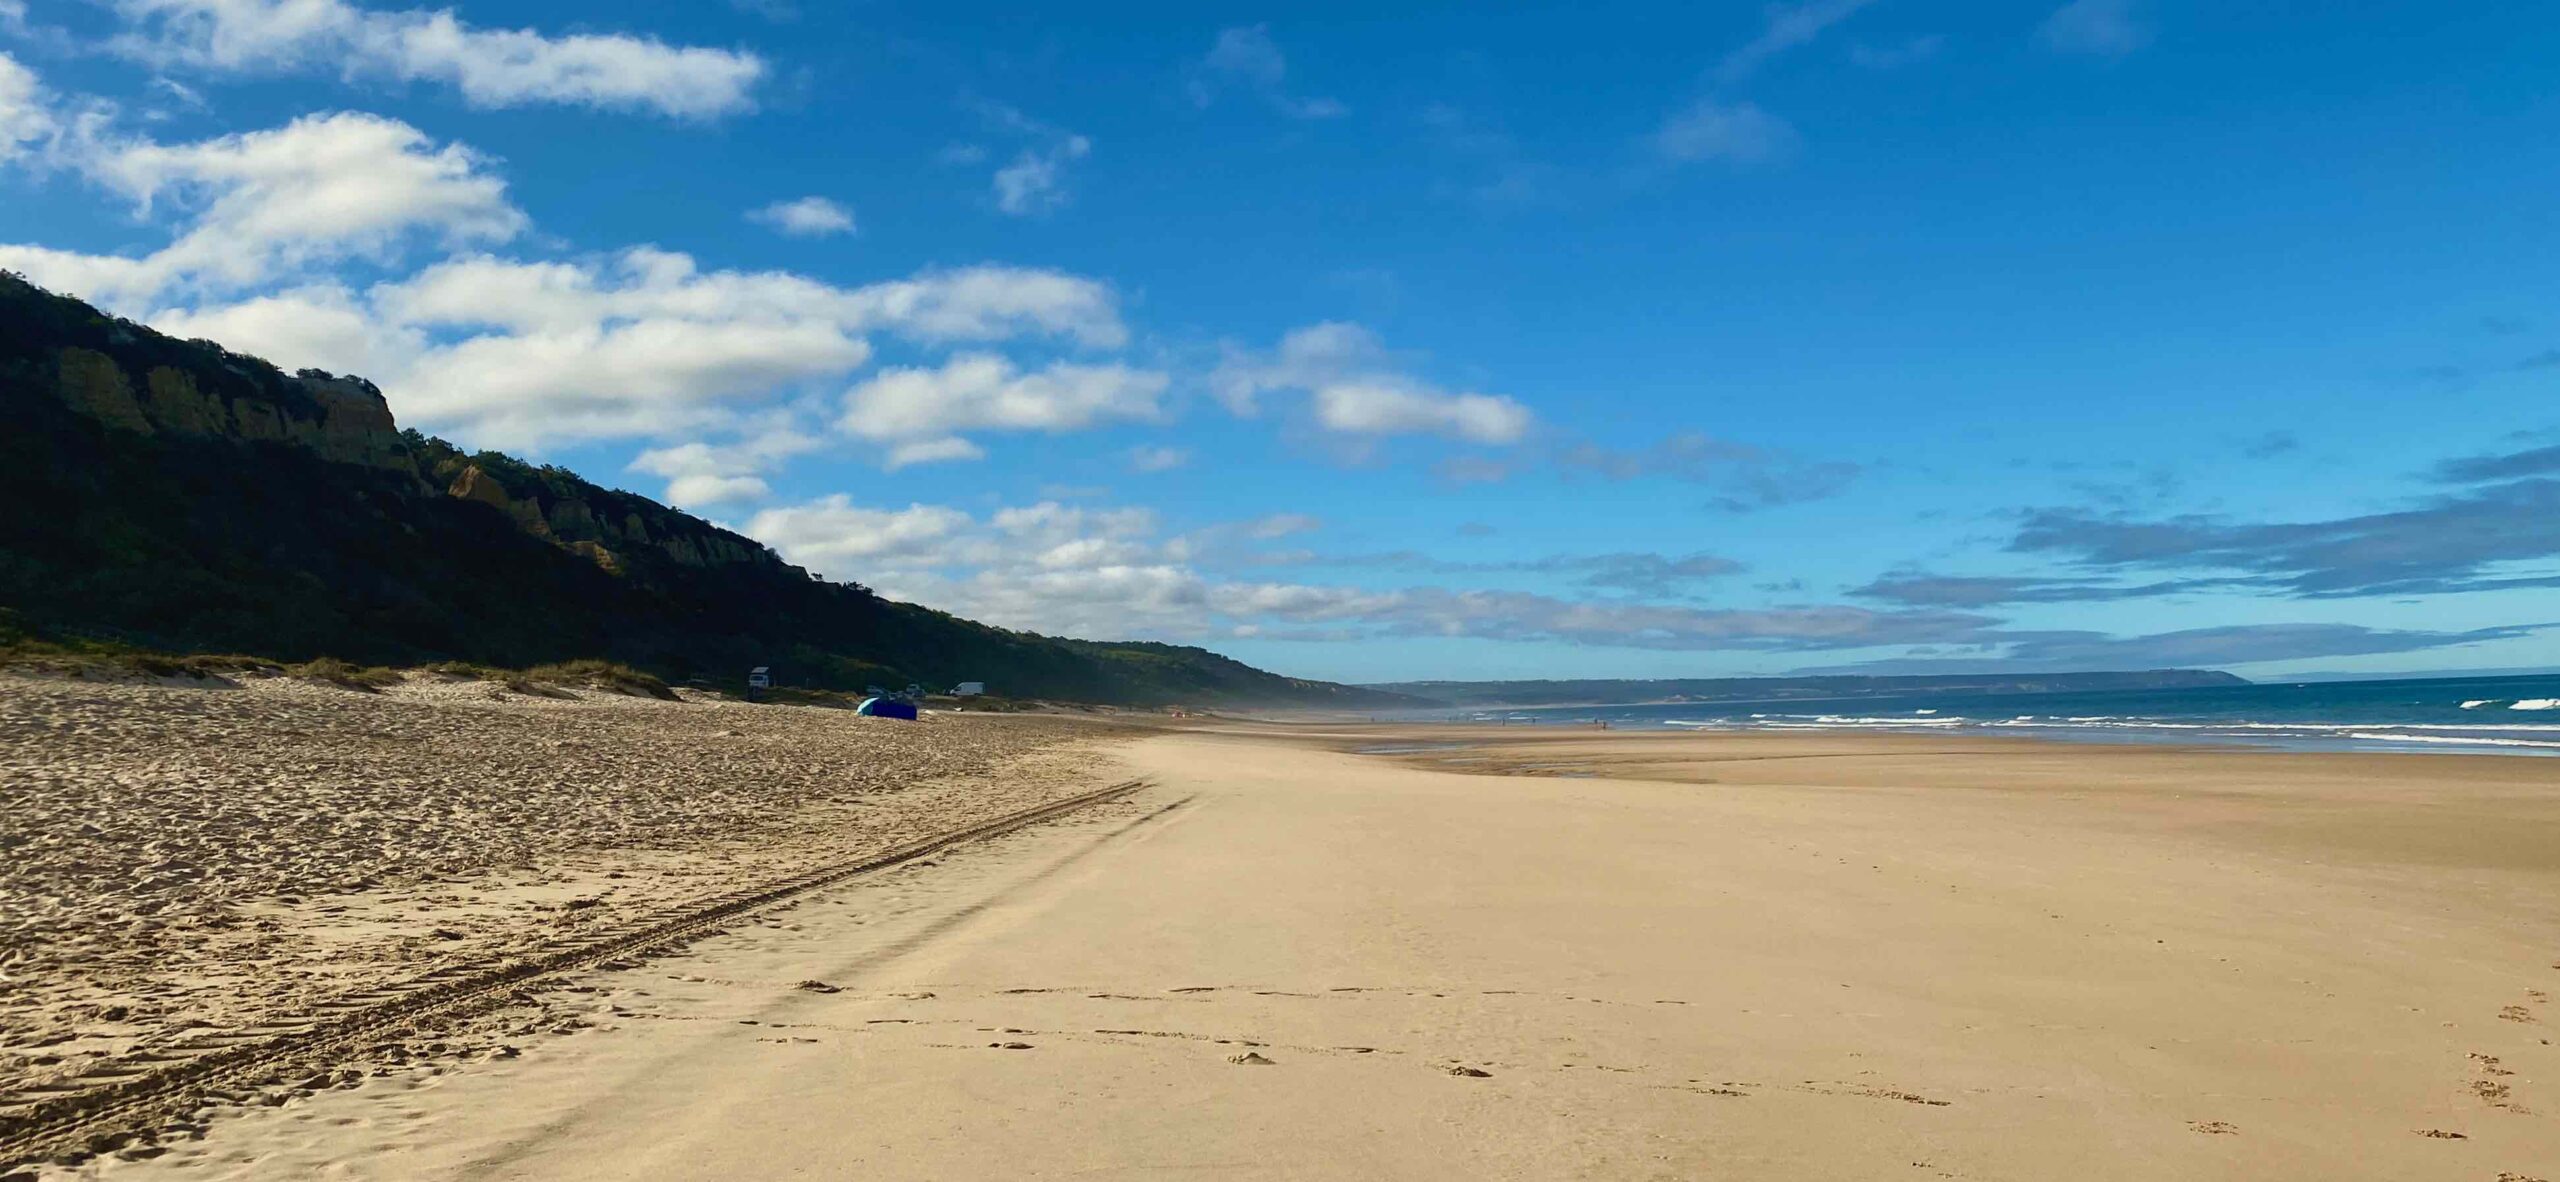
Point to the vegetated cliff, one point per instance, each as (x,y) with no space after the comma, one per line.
(176,495)
(1766,689)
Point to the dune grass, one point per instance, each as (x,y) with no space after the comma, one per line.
(25,649)
(361,678)
(604,675)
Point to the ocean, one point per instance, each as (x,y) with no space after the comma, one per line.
(2501,715)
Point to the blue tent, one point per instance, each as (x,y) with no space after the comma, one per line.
(886,708)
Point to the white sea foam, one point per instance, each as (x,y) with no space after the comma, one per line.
(2477,703)
(2098,723)
(1852,720)
(2481,736)
(2500,727)
(2462,741)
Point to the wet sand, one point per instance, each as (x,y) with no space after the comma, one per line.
(1721,956)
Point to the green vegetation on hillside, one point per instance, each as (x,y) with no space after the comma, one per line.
(175,496)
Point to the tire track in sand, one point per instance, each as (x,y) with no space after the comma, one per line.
(116,1102)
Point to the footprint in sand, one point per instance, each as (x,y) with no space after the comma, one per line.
(1250,1059)
(817,987)
(1010,1046)
(1467,1072)
(2217,1127)
(2442,1135)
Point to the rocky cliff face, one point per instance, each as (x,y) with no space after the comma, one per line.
(343,419)
(571,521)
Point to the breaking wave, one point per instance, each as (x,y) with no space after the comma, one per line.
(2442,734)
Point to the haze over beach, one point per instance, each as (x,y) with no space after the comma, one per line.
(1804,589)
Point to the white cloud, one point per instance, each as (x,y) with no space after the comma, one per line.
(695,489)
(490,67)
(1157,459)
(980,303)
(1108,573)
(1245,56)
(518,354)
(925,410)
(939,450)
(511,353)
(1281,525)
(344,179)
(266,204)
(838,537)
(322,325)
(644,343)
(1357,389)
(1711,129)
(808,217)
(989,302)
(2107,28)
(1036,180)
(522,354)
(700,474)
(652,376)
(1047,566)
(1786,27)
(1361,408)
(25,117)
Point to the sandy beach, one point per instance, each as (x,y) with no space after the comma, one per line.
(1528,955)
(175,861)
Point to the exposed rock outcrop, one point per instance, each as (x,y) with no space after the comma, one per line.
(572,523)
(95,386)
(343,419)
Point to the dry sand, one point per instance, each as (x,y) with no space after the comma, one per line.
(1695,956)
(188,859)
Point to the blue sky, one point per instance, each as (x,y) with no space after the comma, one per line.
(1592,340)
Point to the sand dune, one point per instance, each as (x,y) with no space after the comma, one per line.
(1856,958)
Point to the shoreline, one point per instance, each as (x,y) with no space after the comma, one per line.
(2309,737)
